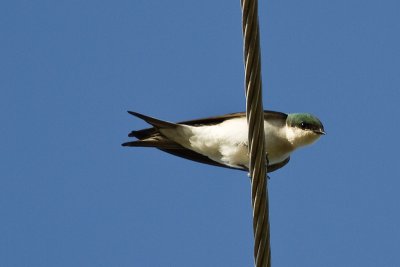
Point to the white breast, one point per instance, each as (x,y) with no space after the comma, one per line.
(227,142)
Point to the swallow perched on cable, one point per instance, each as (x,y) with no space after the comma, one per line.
(223,140)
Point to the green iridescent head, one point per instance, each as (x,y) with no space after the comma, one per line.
(305,121)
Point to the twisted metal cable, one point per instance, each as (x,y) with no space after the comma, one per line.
(255,119)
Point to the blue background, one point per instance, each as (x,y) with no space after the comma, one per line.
(70,195)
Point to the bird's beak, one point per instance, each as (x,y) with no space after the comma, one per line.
(320,132)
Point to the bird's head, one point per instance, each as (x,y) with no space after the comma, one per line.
(303,129)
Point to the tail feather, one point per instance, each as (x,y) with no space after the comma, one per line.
(153,121)
(133,134)
(151,137)
(141,134)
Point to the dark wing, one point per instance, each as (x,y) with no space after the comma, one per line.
(268,114)
(207,121)
(194,156)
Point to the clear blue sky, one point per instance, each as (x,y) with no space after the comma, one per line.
(70,195)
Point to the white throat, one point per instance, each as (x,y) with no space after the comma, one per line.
(298,137)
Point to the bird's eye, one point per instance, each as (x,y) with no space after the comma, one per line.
(303,125)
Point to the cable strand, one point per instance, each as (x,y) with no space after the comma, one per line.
(255,120)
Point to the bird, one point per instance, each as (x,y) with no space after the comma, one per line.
(223,140)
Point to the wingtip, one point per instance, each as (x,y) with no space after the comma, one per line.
(139,115)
